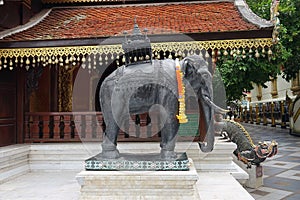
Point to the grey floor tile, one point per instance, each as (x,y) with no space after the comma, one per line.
(292,197)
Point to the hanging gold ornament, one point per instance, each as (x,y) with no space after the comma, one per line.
(67,60)
(225,53)
(257,54)
(5,63)
(270,52)
(207,55)
(27,61)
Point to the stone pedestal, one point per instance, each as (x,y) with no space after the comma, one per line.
(118,185)
(255,174)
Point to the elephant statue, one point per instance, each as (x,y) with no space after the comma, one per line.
(134,89)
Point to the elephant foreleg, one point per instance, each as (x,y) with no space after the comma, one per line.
(168,138)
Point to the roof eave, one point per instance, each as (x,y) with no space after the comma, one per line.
(32,22)
(179,37)
(250,16)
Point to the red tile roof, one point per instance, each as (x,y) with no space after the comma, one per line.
(89,22)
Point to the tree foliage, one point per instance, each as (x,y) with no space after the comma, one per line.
(240,72)
(288,48)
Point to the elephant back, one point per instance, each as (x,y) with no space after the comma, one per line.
(160,72)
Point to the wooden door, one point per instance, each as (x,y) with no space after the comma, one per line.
(7,108)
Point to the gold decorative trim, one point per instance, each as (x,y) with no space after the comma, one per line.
(117,49)
(11,57)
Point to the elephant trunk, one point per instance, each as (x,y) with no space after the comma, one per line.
(209,109)
(210,139)
(207,115)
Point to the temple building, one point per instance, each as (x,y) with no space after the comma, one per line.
(54,52)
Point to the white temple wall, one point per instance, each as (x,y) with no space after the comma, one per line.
(282,87)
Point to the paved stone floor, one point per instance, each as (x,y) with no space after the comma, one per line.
(41,186)
(282,172)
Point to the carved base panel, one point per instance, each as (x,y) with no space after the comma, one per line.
(119,185)
(138,162)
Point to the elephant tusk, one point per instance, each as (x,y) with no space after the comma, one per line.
(216,108)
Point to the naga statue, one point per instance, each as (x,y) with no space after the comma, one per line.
(135,87)
(246,151)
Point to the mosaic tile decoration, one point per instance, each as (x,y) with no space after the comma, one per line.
(142,162)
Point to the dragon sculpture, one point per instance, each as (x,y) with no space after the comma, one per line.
(246,151)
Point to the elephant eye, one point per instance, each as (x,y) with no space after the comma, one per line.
(206,76)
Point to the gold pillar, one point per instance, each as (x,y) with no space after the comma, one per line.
(274,91)
(251,114)
(296,85)
(241,113)
(264,115)
(283,122)
(246,115)
(259,92)
(257,114)
(65,88)
(272,115)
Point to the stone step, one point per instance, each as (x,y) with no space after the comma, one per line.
(13,161)
(17,160)
(71,156)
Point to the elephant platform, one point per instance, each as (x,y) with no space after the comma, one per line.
(138,162)
(119,185)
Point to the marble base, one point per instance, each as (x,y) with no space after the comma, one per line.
(119,185)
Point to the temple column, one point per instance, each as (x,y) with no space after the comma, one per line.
(295,85)
(259,92)
(274,91)
(65,89)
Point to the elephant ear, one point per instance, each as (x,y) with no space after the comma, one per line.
(187,66)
